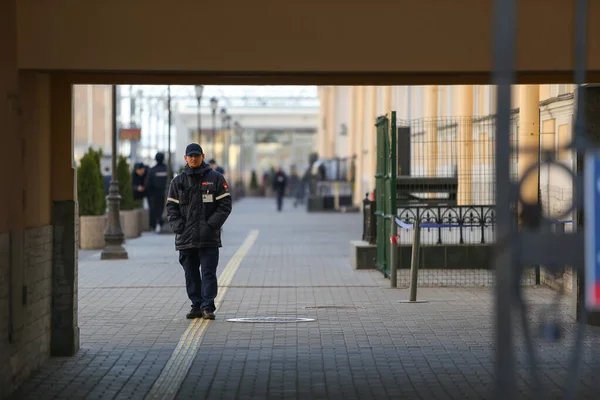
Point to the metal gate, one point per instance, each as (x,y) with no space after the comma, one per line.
(531,242)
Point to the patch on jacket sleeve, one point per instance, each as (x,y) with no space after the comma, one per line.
(225,186)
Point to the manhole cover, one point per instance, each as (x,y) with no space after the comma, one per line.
(272,320)
(333,307)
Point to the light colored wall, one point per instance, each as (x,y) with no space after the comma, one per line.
(92,118)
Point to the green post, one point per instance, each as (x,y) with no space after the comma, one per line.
(382,194)
(393,209)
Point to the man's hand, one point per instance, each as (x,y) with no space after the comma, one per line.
(140,188)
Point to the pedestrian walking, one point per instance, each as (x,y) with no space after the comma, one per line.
(198,205)
(156,186)
(279,184)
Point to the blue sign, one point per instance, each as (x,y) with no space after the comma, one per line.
(592,230)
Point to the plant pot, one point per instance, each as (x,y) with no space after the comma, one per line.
(256,192)
(144,219)
(130,223)
(91,232)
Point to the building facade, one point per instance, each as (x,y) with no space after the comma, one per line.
(452,132)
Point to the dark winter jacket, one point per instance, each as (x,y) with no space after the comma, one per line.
(157,180)
(197,207)
(136,181)
(280,181)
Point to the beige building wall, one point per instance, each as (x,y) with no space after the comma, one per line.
(92,116)
(415,102)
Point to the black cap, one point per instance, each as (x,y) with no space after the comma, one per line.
(212,161)
(193,148)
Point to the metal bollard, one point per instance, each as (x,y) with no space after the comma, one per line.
(369,223)
(414,262)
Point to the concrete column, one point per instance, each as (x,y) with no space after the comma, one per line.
(323,121)
(372,164)
(65,330)
(529,137)
(353,91)
(387,101)
(35,128)
(9,110)
(431,142)
(465,145)
(331,122)
(360,190)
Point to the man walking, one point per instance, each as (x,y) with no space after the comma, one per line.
(156,185)
(279,184)
(197,207)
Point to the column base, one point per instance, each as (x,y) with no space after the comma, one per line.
(115,252)
(64,339)
(65,342)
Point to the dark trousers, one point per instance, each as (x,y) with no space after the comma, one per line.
(157,206)
(202,287)
(279,195)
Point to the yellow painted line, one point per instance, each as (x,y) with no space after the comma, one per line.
(169,381)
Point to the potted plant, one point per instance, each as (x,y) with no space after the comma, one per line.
(130,220)
(91,202)
(255,189)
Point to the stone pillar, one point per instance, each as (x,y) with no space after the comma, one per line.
(529,137)
(372,112)
(65,329)
(360,146)
(431,125)
(465,145)
(352,90)
(12,221)
(321,124)
(331,122)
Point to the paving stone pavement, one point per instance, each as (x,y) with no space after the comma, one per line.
(364,344)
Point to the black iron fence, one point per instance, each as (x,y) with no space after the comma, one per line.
(456,246)
(451,225)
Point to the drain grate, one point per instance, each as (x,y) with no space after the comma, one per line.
(334,307)
(272,320)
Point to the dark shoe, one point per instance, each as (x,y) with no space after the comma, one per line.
(194,313)
(208,314)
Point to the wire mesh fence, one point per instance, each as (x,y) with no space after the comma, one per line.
(456,147)
(458,220)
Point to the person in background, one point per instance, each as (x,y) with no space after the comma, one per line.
(106,177)
(215,167)
(156,186)
(280,181)
(138,180)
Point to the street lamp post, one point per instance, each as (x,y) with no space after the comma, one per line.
(113,235)
(226,142)
(240,132)
(199,91)
(224,128)
(214,104)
